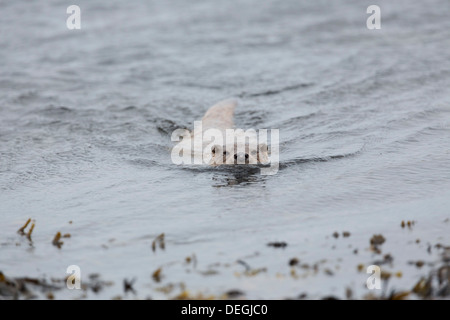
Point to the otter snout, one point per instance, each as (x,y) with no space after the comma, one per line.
(241,158)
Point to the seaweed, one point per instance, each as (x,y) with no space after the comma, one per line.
(423,287)
(277,244)
(293,262)
(156,275)
(191,259)
(249,272)
(128,285)
(387,259)
(346,234)
(56,240)
(402,295)
(185,295)
(15,288)
(234,293)
(30,231)
(408,223)
(159,240)
(376,241)
(21,230)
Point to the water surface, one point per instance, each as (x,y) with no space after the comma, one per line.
(85,123)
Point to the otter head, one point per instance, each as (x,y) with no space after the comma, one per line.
(240,154)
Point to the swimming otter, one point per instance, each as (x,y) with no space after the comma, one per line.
(215,142)
(229,146)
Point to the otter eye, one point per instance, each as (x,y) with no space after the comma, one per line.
(213,150)
(246,156)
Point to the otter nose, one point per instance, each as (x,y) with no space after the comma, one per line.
(241,157)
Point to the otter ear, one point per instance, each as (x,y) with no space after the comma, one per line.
(263,153)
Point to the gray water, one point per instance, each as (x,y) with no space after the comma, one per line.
(86,117)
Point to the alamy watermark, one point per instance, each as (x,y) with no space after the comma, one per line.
(374,281)
(374,20)
(74,279)
(74,20)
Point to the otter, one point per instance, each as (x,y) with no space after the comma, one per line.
(244,148)
(216,142)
